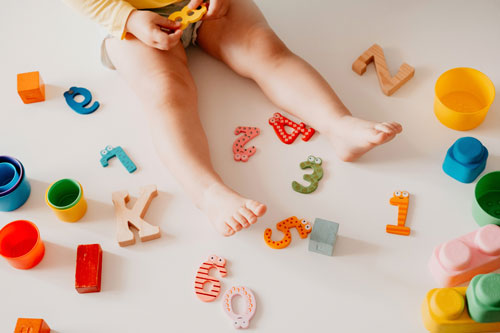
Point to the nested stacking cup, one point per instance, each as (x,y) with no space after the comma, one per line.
(65,197)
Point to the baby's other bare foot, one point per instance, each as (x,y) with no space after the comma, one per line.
(228,211)
(352,137)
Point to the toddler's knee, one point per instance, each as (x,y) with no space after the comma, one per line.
(170,88)
(264,43)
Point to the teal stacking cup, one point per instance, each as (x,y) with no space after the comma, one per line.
(14,186)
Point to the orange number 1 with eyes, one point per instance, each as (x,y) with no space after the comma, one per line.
(402,200)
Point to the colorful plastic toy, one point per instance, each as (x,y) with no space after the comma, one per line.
(134,216)
(445,311)
(314,178)
(465,160)
(486,204)
(402,200)
(21,245)
(389,84)
(187,15)
(30,87)
(240,153)
(109,152)
(323,236)
(28,325)
(463,97)
(88,268)
(15,189)
(483,298)
(80,107)
(240,320)
(278,122)
(303,227)
(8,176)
(202,278)
(65,198)
(459,260)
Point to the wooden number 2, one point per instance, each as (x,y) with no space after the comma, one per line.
(389,84)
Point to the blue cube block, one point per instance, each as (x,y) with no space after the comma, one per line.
(323,236)
(465,160)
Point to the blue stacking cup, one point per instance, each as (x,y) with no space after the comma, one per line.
(14,186)
(8,176)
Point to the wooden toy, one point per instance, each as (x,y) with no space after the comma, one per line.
(187,16)
(314,178)
(80,107)
(30,87)
(240,153)
(323,236)
(239,320)
(462,98)
(459,260)
(303,228)
(486,204)
(278,122)
(445,311)
(109,152)
(21,244)
(402,200)
(202,278)
(465,159)
(483,298)
(134,216)
(28,325)
(88,268)
(389,84)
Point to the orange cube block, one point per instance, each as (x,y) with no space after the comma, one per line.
(30,87)
(26,325)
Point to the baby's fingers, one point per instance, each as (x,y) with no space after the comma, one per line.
(193,4)
(164,41)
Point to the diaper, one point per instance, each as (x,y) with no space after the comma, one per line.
(188,37)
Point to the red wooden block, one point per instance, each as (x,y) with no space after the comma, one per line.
(27,325)
(88,268)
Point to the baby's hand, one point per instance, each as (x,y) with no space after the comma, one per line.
(150,28)
(216,8)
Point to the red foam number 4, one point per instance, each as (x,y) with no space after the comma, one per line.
(278,122)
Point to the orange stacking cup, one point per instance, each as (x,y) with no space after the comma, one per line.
(21,245)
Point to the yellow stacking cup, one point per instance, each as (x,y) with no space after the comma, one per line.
(65,197)
(462,98)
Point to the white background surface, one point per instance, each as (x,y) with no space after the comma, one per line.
(374,283)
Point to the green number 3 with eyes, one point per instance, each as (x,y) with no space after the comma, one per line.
(314,178)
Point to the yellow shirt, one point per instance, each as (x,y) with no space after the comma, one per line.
(113,14)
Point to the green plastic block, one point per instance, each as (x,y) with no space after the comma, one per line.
(323,236)
(483,298)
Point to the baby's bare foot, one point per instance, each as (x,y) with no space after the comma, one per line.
(352,137)
(228,211)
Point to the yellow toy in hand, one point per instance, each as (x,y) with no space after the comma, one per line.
(187,15)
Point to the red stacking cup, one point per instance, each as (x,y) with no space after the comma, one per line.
(21,245)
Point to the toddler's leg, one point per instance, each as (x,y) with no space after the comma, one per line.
(245,42)
(164,84)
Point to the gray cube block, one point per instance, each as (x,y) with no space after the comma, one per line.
(323,236)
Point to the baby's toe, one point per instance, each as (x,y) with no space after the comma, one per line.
(249,216)
(384,127)
(256,207)
(228,231)
(235,225)
(241,219)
